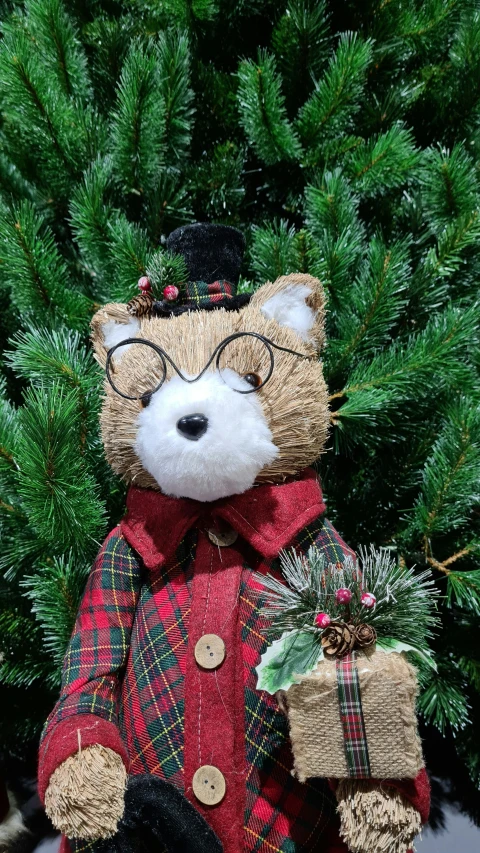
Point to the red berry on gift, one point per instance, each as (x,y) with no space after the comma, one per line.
(368,600)
(171,293)
(144,284)
(343,596)
(322,620)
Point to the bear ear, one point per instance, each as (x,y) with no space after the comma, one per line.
(110,325)
(296,301)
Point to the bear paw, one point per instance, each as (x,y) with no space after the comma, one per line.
(85,795)
(375,819)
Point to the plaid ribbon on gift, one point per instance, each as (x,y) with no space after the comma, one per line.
(351,715)
(201,293)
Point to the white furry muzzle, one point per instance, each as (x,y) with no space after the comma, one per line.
(225,459)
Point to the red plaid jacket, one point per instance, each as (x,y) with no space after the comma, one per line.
(131,682)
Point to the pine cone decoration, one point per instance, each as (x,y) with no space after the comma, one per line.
(141,305)
(338,640)
(365,636)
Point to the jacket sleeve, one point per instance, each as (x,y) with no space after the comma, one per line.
(87,710)
(417,790)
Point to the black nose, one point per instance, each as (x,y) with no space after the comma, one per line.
(193,426)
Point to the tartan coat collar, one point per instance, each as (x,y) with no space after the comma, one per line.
(267,516)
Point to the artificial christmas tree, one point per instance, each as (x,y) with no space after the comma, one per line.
(344,140)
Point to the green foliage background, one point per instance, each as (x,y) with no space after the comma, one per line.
(344,139)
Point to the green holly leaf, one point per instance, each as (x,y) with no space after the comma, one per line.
(390,644)
(295,654)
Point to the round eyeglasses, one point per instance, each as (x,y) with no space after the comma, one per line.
(147,370)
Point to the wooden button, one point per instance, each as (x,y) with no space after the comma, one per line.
(223,538)
(210,651)
(209,785)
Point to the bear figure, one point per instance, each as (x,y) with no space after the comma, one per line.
(215,409)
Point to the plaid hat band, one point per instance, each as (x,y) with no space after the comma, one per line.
(190,296)
(199,293)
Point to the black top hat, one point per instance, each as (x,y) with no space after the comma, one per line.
(211,252)
(213,255)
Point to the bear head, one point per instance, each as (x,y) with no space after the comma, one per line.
(205,404)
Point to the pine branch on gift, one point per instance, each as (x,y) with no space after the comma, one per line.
(328,610)
(396,601)
(345,143)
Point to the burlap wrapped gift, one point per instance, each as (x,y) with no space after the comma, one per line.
(388,688)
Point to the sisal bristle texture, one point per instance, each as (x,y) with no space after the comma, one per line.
(375,819)
(85,796)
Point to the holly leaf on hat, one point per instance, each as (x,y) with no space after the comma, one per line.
(286,660)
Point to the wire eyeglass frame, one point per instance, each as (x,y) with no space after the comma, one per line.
(164,357)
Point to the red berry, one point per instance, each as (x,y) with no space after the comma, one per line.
(144,284)
(171,293)
(322,620)
(368,600)
(343,596)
